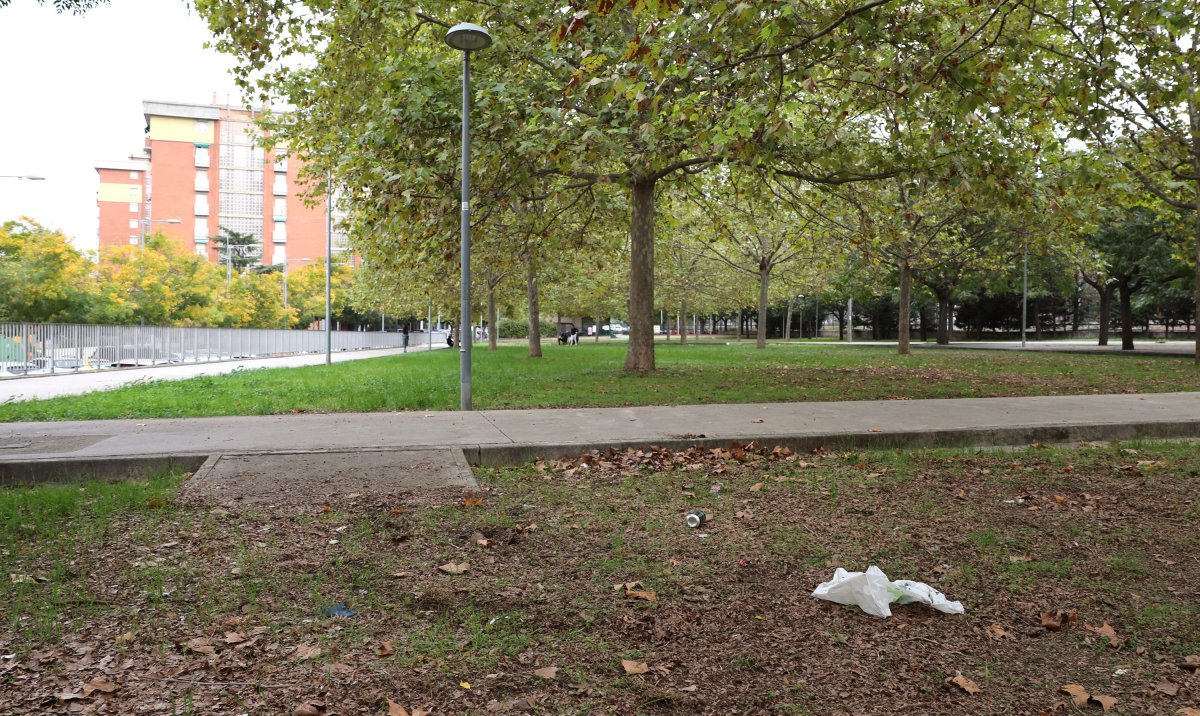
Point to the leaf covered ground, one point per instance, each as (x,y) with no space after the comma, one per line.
(575,587)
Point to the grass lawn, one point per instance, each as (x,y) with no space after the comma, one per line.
(1075,566)
(590,375)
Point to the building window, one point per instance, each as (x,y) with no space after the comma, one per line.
(247,180)
(133,223)
(202,156)
(201,126)
(201,180)
(280,211)
(133,206)
(279,256)
(280,188)
(202,250)
(133,175)
(279,233)
(202,205)
(281,163)
(133,240)
(201,230)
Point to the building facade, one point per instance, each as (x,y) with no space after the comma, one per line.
(203,169)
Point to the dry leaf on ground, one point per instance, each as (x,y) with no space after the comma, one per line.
(99,684)
(1105,630)
(1077,693)
(634,667)
(965,684)
(306,651)
(1106,702)
(1188,711)
(547,672)
(454,568)
(997,632)
(395,709)
(1167,687)
(385,649)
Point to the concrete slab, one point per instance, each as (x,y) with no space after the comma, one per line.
(279,478)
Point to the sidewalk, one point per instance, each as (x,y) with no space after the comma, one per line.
(36,450)
(39,387)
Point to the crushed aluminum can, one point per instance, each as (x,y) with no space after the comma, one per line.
(696,519)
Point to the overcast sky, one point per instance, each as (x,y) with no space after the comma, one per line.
(71,91)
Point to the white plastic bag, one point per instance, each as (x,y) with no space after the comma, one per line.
(873,593)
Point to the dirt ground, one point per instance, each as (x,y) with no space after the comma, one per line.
(575,587)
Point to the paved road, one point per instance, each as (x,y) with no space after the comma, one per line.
(508,436)
(51,386)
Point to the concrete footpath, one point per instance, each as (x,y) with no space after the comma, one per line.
(41,451)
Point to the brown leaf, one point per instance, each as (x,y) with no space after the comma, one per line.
(641,594)
(100,684)
(201,645)
(1106,702)
(1051,621)
(385,649)
(997,632)
(1106,631)
(395,709)
(965,684)
(757,420)
(233,637)
(126,638)
(306,651)
(756,487)
(547,672)
(1020,558)
(471,500)
(453,568)
(1188,711)
(1190,663)
(1167,687)
(68,696)
(634,667)
(1078,694)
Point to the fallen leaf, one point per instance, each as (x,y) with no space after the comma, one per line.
(1051,621)
(385,649)
(233,637)
(201,645)
(471,500)
(99,684)
(395,709)
(647,595)
(997,632)
(465,684)
(452,568)
(1020,558)
(634,667)
(306,709)
(1190,663)
(547,672)
(965,684)
(1106,702)
(757,420)
(22,579)
(1188,711)
(353,495)
(126,638)
(1105,630)
(68,696)
(1167,687)
(873,430)
(1078,694)
(305,651)
(756,487)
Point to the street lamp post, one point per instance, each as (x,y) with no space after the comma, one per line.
(145,224)
(467,37)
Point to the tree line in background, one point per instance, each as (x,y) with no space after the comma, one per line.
(634,156)
(45,279)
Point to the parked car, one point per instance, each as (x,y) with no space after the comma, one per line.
(9,369)
(614,329)
(65,364)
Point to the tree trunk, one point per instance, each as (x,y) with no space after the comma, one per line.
(1126,316)
(531,295)
(739,324)
(683,336)
(1105,294)
(905,291)
(491,317)
(943,327)
(764,278)
(923,317)
(640,358)
(787,323)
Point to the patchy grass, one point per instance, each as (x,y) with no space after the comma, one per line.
(590,375)
(207,608)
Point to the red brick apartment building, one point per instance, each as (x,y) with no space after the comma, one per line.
(202,169)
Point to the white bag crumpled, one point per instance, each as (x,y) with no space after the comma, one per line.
(873,593)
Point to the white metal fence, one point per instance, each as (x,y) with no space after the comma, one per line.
(28,349)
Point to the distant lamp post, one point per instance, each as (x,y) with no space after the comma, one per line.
(468,38)
(19,177)
(145,225)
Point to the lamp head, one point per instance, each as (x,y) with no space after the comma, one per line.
(467,37)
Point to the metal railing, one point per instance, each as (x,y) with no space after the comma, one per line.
(28,349)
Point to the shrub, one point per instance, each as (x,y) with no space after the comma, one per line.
(510,328)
